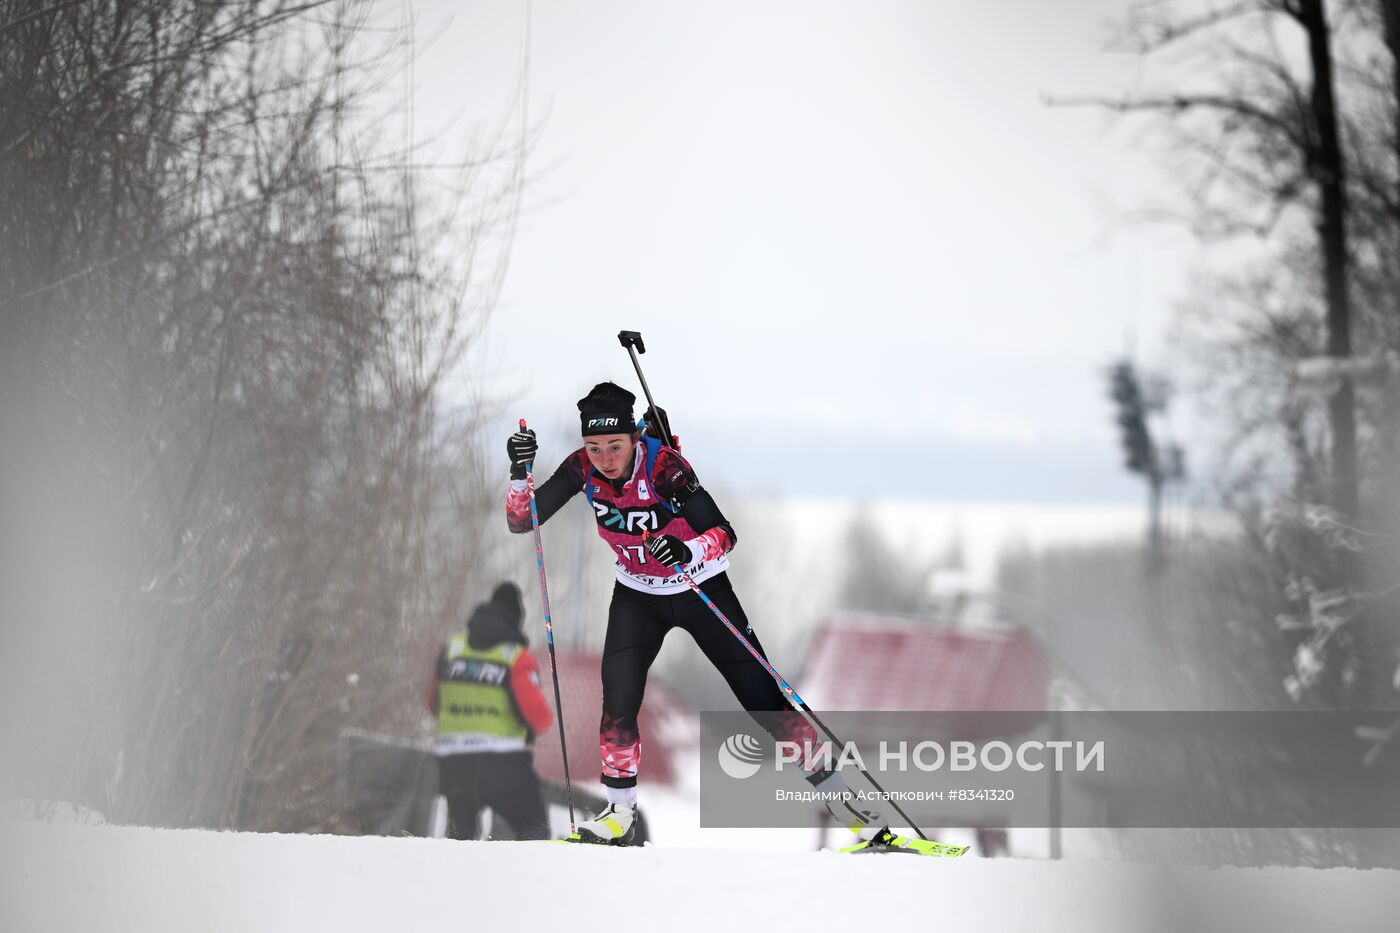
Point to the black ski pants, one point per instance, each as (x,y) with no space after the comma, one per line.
(637,624)
(504,781)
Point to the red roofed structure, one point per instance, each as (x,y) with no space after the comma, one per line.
(871,662)
(666,723)
(896,663)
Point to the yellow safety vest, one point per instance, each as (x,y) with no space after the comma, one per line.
(475,707)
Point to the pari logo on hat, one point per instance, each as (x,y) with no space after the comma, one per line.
(606,409)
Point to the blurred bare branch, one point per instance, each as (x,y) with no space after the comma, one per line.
(237,509)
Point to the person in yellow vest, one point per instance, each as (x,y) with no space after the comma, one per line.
(485,695)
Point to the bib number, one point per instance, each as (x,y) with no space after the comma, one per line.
(637,553)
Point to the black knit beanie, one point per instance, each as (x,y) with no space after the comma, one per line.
(506,600)
(607,409)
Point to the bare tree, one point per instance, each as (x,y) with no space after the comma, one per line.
(877,576)
(226,314)
(1284,115)
(1267,132)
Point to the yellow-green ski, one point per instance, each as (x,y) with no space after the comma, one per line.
(576,839)
(886,841)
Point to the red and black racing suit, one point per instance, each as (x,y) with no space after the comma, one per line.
(649,599)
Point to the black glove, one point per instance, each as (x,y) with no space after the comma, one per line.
(521,448)
(669,549)
(673,479)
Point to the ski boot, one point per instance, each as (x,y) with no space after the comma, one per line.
(885,841)
(615,826)
(843,806)
(862,820)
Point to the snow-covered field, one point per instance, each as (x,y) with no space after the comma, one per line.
(66,877)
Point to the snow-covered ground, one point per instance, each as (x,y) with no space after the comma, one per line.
(66,877)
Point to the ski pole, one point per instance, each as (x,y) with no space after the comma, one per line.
(789,693)
(549,637)
(632,341)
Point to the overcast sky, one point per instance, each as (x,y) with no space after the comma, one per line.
(867,259)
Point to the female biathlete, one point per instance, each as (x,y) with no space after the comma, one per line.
(634,483)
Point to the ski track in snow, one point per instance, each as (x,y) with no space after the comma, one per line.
(59,878)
